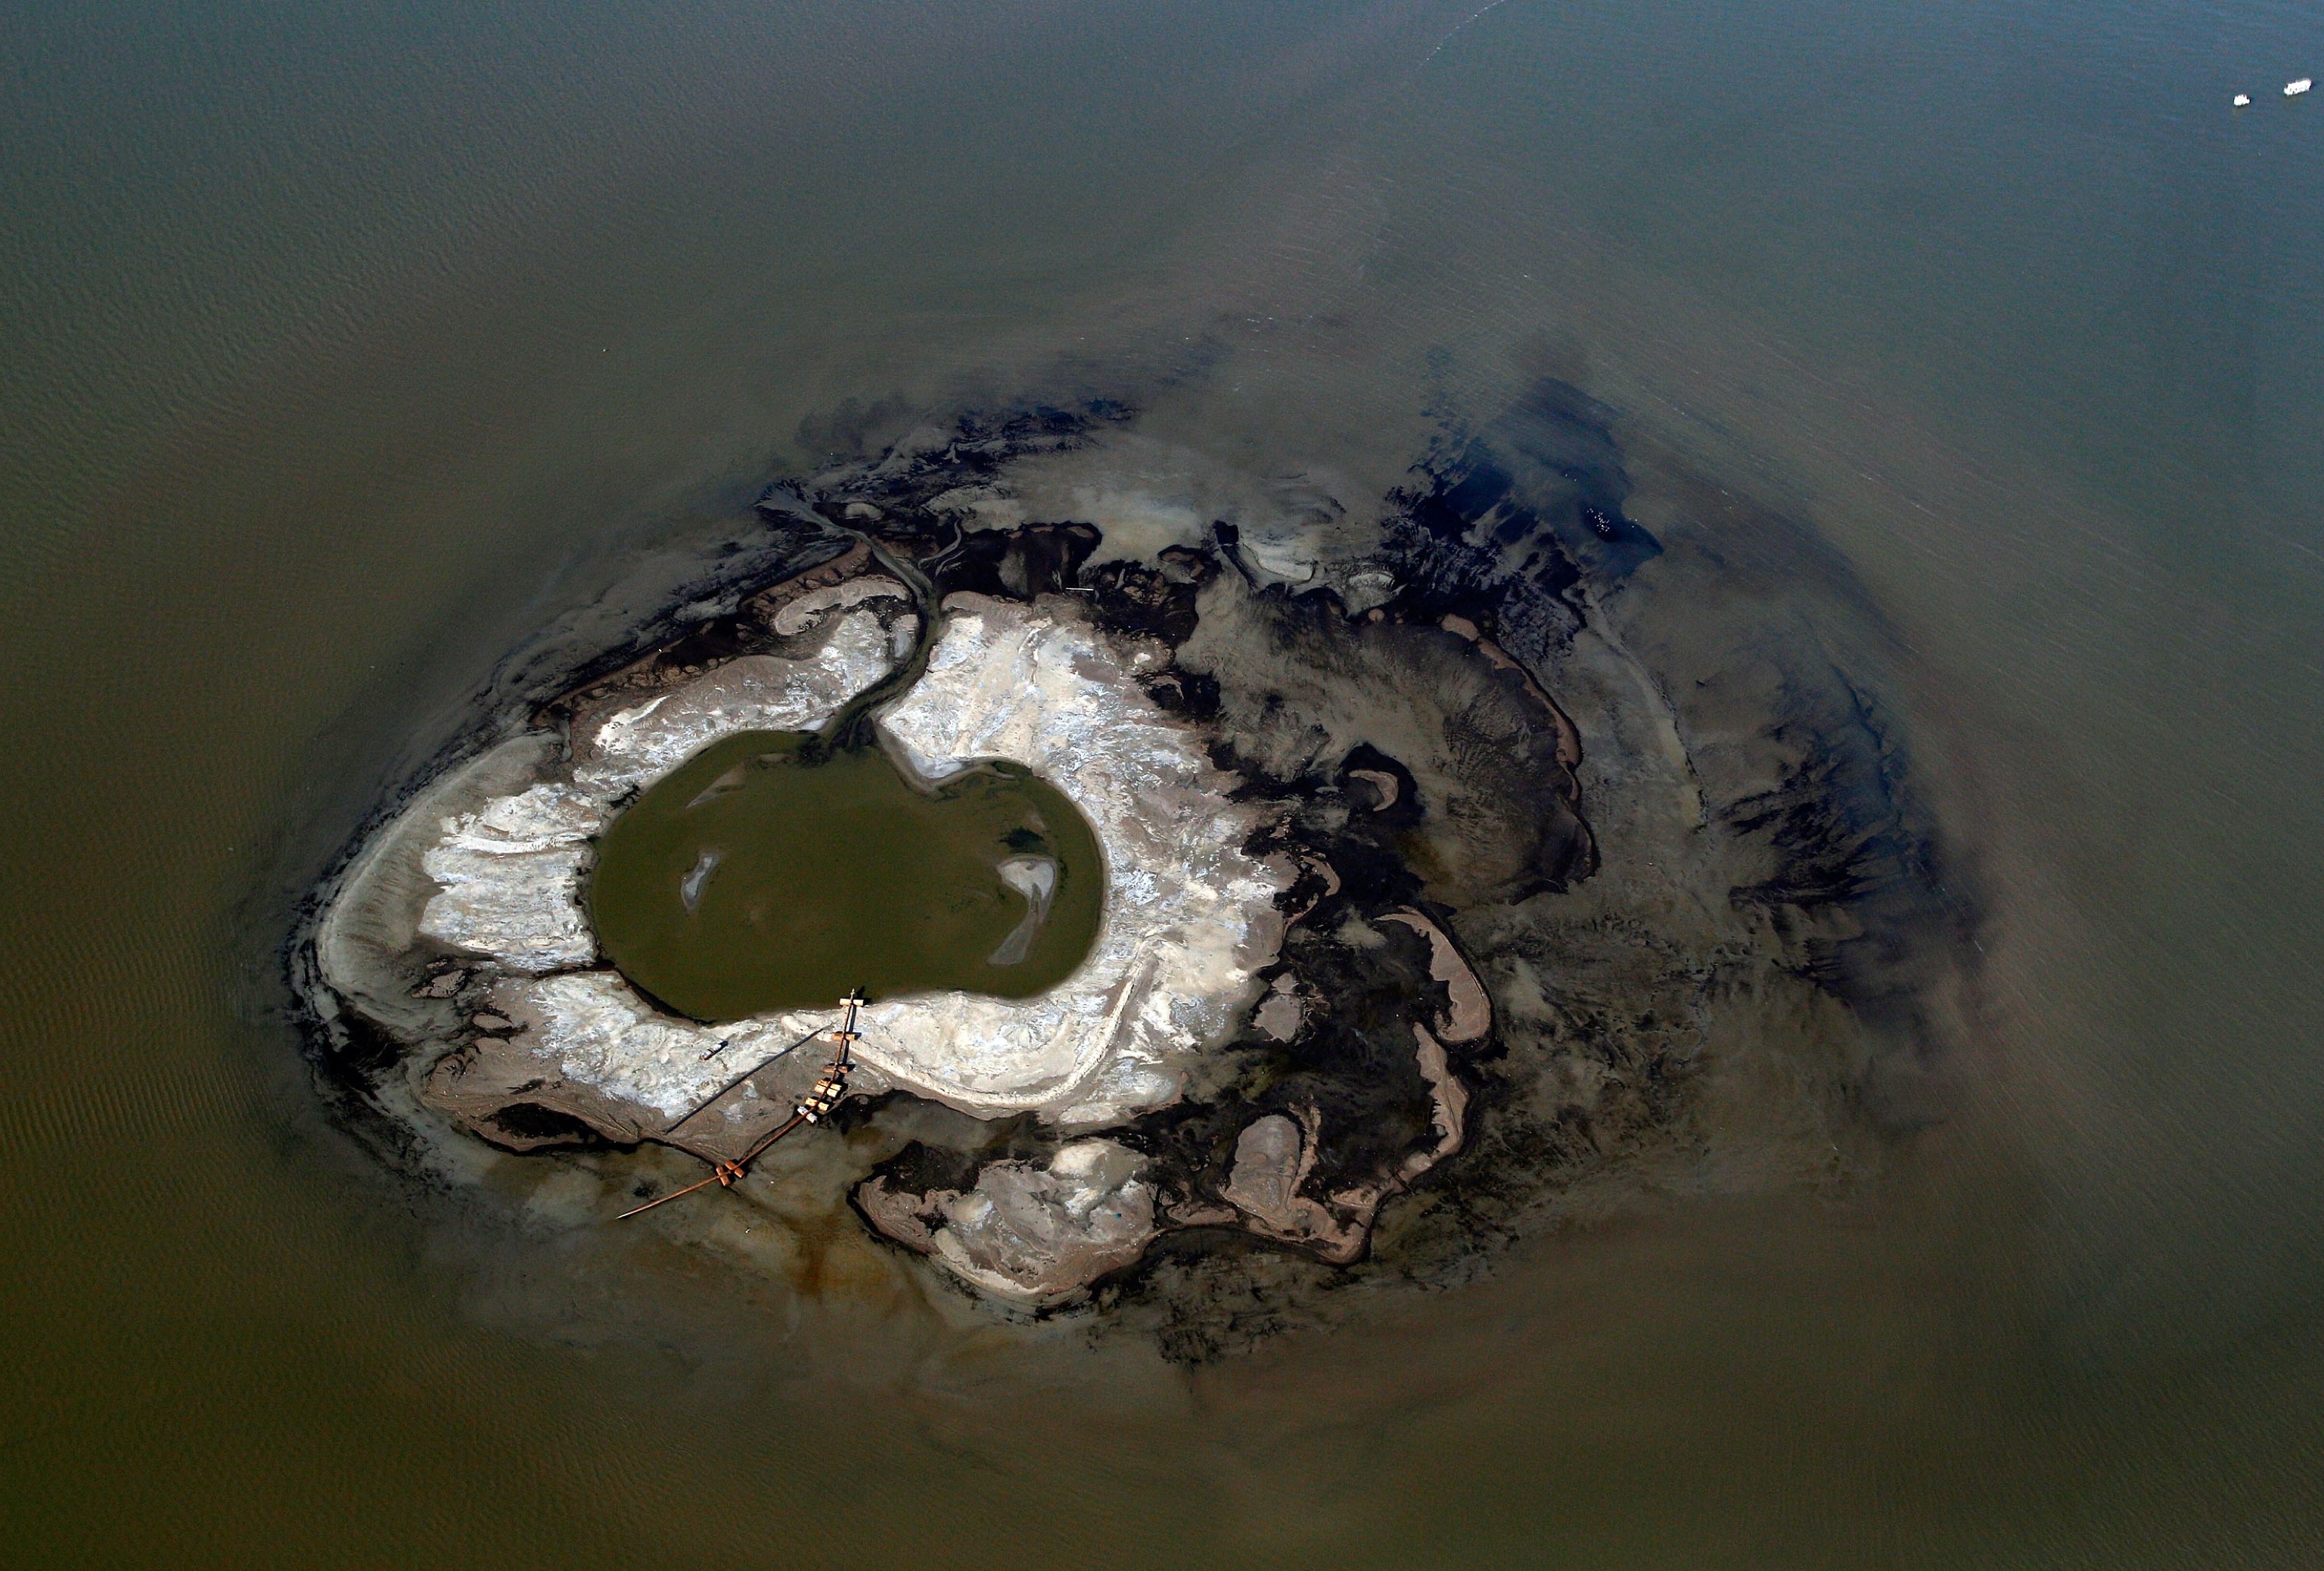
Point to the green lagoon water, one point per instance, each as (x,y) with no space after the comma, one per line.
(751,880)
(342,346)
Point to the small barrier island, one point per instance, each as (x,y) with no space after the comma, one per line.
(1261,890)
(758,876)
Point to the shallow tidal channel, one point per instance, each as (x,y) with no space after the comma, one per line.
(766,874)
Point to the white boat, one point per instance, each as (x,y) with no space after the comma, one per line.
(2242,100)
(2293,90)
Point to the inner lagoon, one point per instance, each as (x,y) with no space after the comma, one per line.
(771,873)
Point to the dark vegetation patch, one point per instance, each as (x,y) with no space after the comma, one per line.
(529,1126)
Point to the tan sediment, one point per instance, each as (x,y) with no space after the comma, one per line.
(796,615)
(1469,1015)
(1568,736)
(767,604)
(1033,1235)
(1273,1159)
(1275,1156)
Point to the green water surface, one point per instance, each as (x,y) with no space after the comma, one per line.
(751,879)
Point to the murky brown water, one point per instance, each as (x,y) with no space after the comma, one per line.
(346,348)
(751,881)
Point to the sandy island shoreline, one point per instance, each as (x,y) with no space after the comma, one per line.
(1360,909)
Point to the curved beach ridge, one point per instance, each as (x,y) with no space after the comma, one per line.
(1188,917)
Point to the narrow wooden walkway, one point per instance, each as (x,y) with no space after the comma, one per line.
(827,1094)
